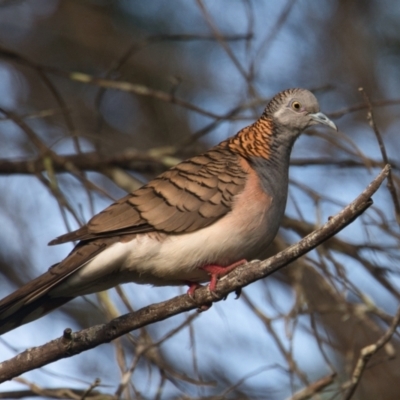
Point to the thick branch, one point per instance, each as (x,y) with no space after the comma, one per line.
(73,343)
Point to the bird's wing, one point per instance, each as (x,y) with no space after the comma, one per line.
(188,197)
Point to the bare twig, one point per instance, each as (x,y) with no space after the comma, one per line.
(313,388)
(54,393)
(47,155)
(273,32)
(363,106)
(12,55)
(278,340)
(390,183)
(137,89)
(221,40)
(366,353)
(90,390)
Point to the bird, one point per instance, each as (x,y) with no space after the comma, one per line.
(191,224)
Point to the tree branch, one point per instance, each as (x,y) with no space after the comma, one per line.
(130,160)
(124,86)
(390,183)
(149,162)
(314,388)
(365,355)
(73,343)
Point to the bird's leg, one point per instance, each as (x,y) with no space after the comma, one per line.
(192,287)
(216,271)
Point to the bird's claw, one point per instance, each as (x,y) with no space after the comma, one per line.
(238,292)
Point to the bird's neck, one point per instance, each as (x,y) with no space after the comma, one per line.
(267,147)
(264,140)
(254,140)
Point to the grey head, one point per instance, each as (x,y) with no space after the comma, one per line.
(296,109)
(285,117)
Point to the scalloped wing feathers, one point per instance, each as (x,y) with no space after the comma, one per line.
(188,197)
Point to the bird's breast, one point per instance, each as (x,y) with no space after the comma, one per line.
(173,259)
(243,233)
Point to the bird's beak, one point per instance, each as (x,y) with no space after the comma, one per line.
(321,118)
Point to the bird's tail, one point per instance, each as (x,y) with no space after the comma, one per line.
(14,314)
(30,302)
(39,297)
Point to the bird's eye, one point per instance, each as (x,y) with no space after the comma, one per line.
(296,106)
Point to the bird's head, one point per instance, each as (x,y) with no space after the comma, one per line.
(296,109)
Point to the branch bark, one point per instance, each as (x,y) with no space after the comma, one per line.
(130,160)
(314,388)
(72,343)
(366,353)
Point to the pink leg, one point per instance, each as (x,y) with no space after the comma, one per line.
(192,287)
(216,271)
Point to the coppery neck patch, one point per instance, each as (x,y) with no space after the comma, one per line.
(254,140)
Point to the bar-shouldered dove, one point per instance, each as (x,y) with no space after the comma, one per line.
(197,220)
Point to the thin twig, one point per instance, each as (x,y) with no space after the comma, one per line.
(366,353)
(221,40)
(137,89)
(313,388)
(362,106)
(390,183)
(55,393)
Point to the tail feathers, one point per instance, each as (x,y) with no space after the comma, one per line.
(35,299)
(32,300)
(20,314)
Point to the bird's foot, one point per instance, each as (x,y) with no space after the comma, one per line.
(216,272)
(238,292)
(192,288)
